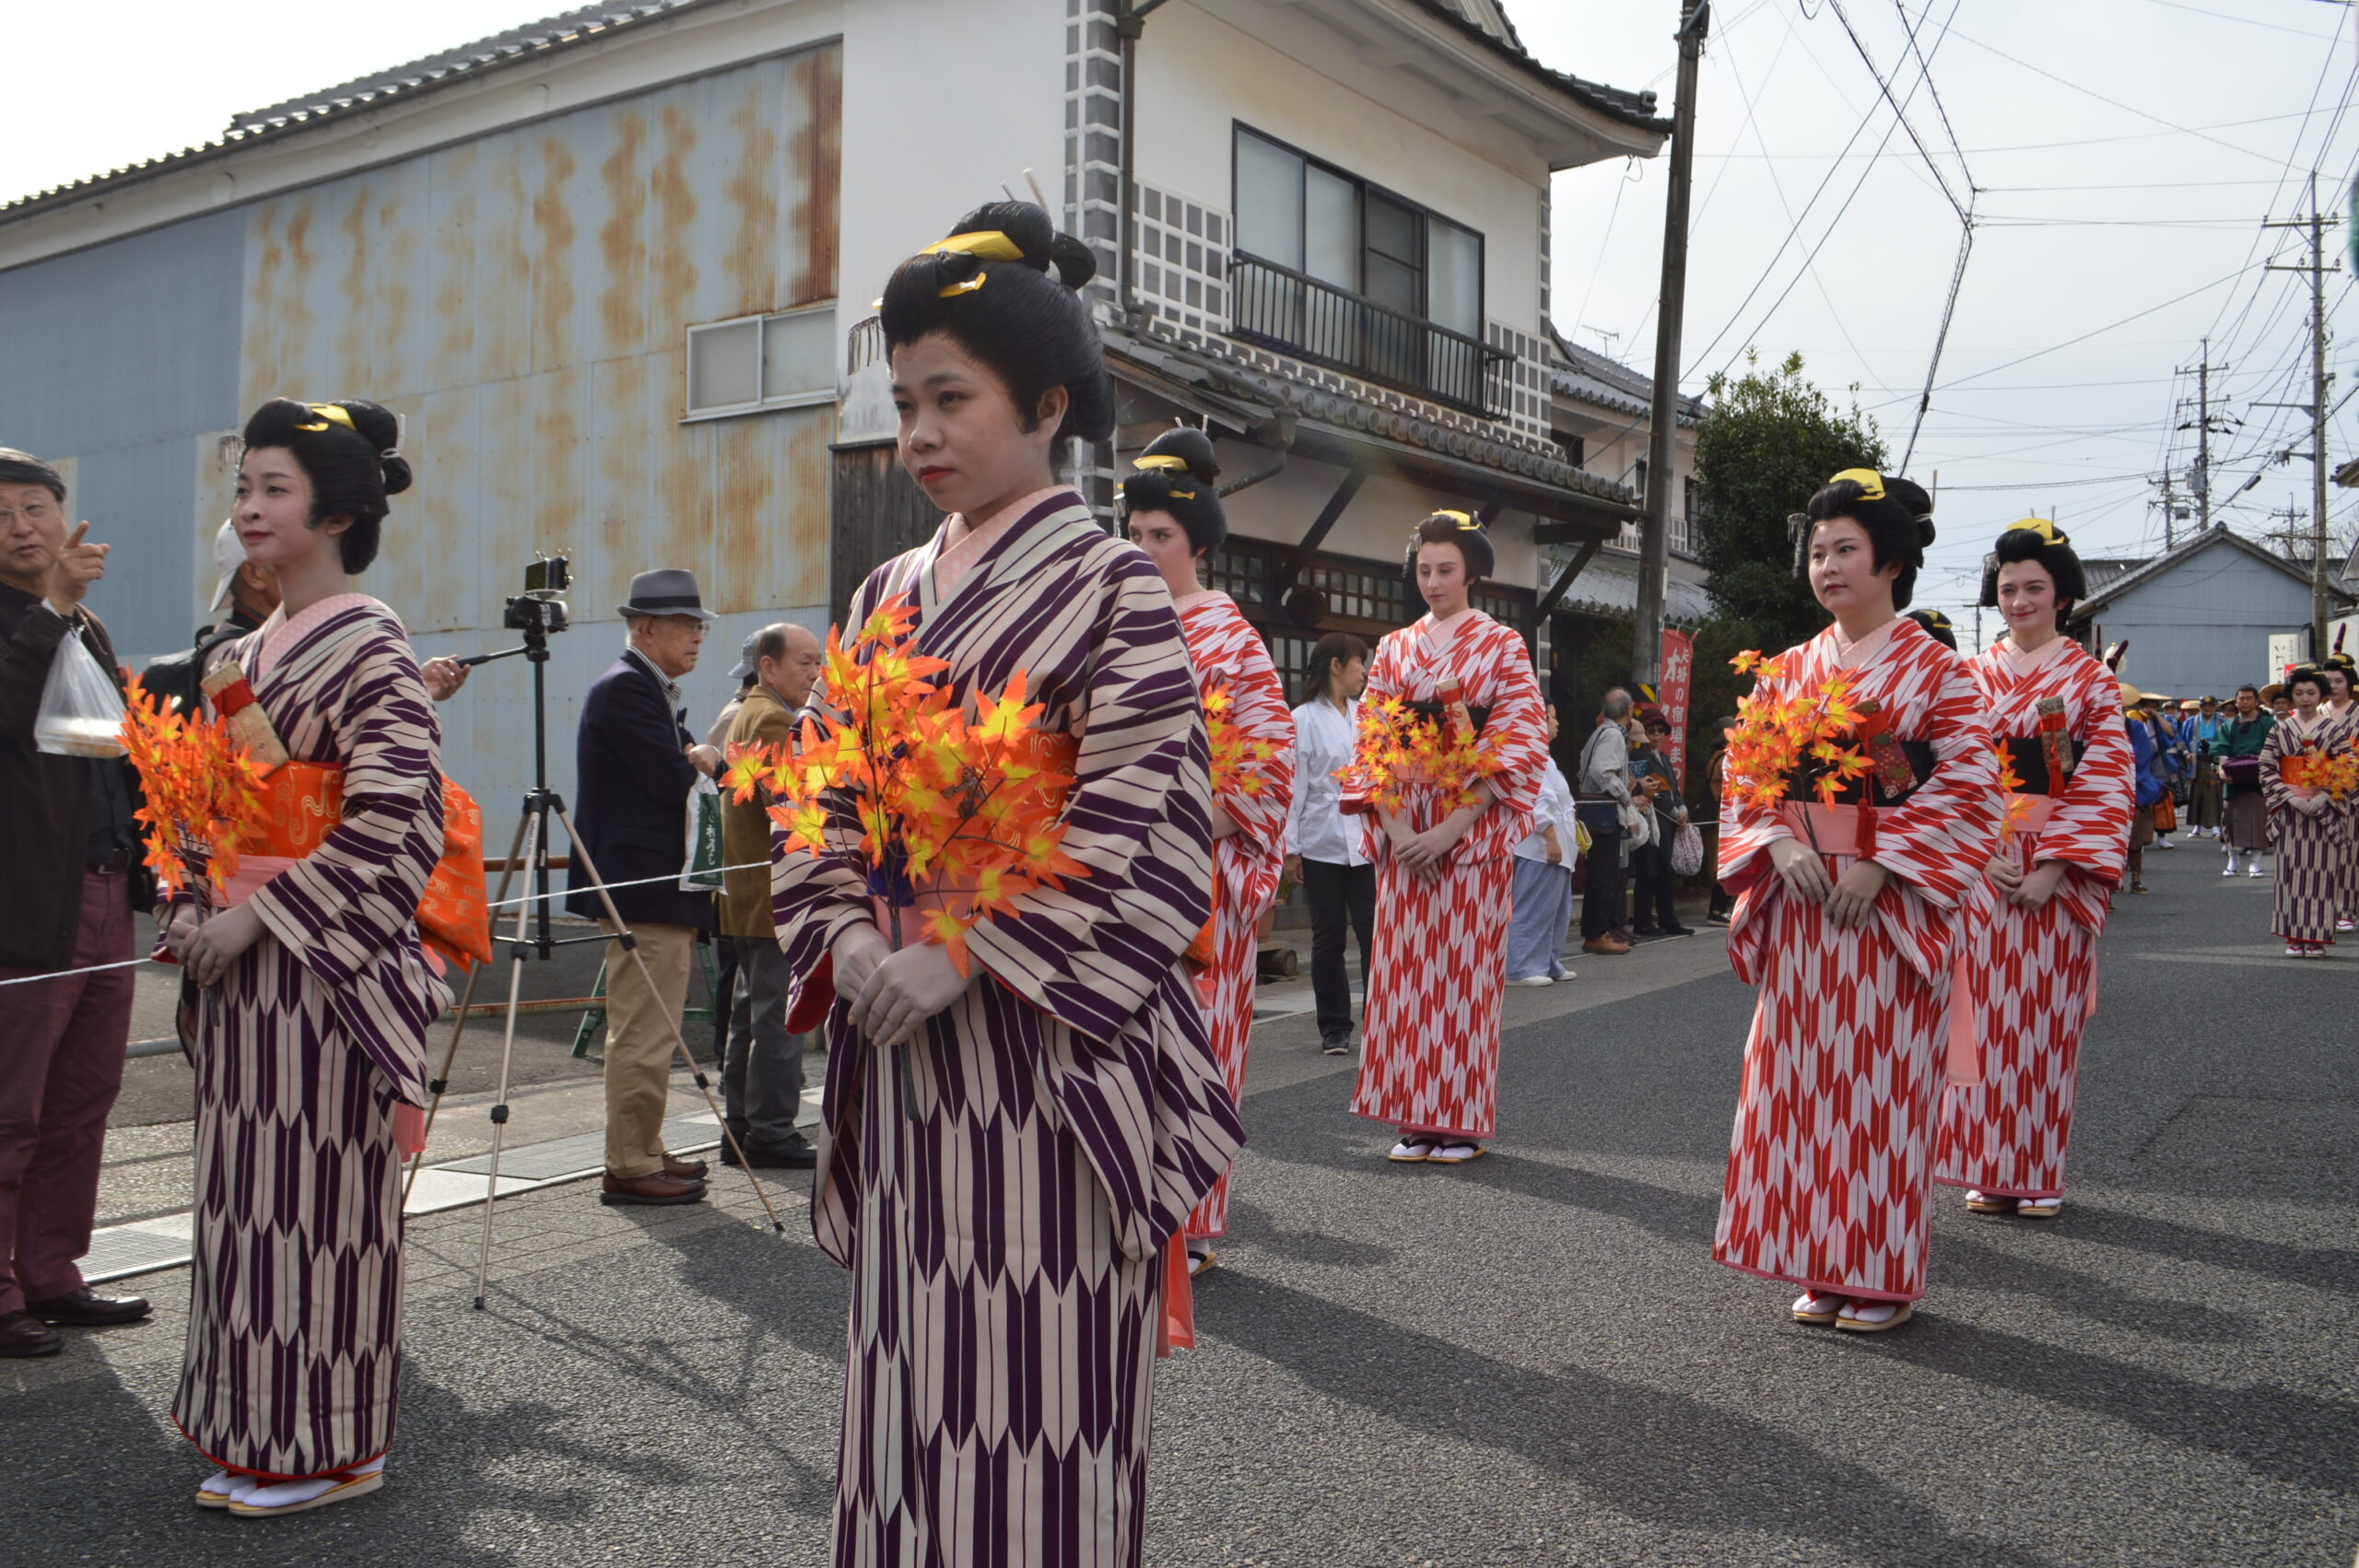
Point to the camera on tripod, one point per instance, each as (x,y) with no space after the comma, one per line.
(540,610)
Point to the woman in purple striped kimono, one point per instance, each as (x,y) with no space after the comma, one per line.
(312,998)
(2312,827)
(1012,1153)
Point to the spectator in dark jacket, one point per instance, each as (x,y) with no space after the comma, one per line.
(636,765)
(70,862)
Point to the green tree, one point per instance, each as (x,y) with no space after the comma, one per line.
(1768,441)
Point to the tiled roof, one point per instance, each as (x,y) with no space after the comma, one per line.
(1608,383)
(1212,366)
(565,31)
(1630,107)
(1609,585)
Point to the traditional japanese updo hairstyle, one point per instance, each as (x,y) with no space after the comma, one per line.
(1936,626)
(1896,514)
(349,451)
(2310,674)
(988,288)
(2038,539)
(1175,474)
(1474,542)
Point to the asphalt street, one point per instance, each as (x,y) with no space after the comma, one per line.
(1531,1360)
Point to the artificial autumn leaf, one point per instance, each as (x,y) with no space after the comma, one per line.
(953,811)
(202,790)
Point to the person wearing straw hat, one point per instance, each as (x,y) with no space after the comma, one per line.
(636,765)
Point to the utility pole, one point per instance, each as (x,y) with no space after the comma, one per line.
(1663,481)
(2200,480)
(2318,269)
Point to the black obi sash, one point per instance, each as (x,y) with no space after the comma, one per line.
(1866,791)
(2027,759)
(1431,712)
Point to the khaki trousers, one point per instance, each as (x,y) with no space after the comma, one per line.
(639,1029)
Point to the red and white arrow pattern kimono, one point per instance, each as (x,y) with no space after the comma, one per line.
(1226,651)
(2036,969)
(1831,1162)
(1431,1058)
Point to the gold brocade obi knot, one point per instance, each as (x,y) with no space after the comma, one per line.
(303,802)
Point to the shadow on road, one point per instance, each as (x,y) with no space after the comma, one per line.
(1651,1455)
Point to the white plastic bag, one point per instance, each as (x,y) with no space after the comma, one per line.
(81,713)
(701,865)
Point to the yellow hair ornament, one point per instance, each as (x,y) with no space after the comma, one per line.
(984,244)
(1182,494)
(1159,460)
(2039,525)
(972,284)
(1870,482)
(329,415)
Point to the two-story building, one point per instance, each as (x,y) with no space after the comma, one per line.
(609,266)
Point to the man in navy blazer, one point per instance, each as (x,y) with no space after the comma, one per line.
(635,765)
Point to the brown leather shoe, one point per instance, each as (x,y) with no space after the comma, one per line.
(85,1308)
(1609,945)
(654,1190)
(682,1170)
(22,1334)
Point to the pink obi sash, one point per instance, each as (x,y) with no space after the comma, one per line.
(1830,830)
(2031,814)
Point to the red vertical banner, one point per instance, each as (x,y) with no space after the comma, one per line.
(1678,675)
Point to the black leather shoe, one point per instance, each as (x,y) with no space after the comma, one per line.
(22,1334)
(85,1308)
(653,1191)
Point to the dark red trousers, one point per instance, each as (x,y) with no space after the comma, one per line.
(61,1066)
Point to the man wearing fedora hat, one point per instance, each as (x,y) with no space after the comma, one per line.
(636,765)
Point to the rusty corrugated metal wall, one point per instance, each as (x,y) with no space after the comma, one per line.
(524,300)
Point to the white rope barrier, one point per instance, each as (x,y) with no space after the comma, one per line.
(503,904)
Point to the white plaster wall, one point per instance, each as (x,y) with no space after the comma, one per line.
(1199,74)
(943,104)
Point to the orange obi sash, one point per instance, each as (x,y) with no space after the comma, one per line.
(303,802)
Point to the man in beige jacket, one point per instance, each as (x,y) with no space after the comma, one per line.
(761,1075)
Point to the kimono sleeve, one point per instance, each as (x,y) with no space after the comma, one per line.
(343,905)
(2274,752)
(1385,680)
(2088,828)
(1748,825)
(1940,837)
(1258,706)
(1092,954)
(1518,730)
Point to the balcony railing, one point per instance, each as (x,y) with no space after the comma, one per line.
(1294,314)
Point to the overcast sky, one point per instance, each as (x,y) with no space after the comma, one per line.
(2119,155)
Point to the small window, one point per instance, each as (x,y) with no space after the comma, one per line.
(762,362)
(1576,449)
(1639,480)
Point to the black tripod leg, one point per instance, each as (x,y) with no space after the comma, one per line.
(440,1082)
(630,946)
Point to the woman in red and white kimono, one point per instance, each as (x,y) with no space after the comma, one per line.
(1430,1062)
(1173,512)
(2055,713)
(1848,918)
